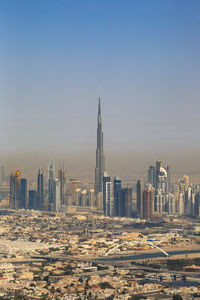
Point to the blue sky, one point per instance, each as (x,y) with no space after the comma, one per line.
(141,57)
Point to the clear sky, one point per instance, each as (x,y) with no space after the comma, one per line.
(143,59)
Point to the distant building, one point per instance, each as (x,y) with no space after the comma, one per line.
(32,199)
(40,190)
(78,197)
(12,191)
(152,176)
(84,198)
(56,196)
(61,178)
(140,190)
(107,194)
(92,202)
(51,178)
(100,159)
(117,187)
(125,202)
(148,197)
(15,190)
(23,193)
(73,185)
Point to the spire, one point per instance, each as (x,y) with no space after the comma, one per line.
(99,107)
(99,111)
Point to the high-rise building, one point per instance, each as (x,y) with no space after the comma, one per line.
(56,196)
(12,191)
(84,198)
(186,180)
(159,203)
(100,160)
(23,193)
(73,185)
(107,193)
(40,190)
(117,187)
(149,194)
(168,179)
(32,199)
(92,198)
(125,202)
(78,196)
(177,196)
(61,178)
(158,166)
(51,178)
(152,176)
(140,189)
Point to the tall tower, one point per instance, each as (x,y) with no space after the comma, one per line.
(140,206)
(107,201)
(51,178)
(61,178)
(117,187)
(40,190)
(23,193)
(100,160)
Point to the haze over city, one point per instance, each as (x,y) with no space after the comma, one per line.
(140,57)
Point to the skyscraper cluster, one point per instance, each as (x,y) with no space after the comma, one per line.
(158,197)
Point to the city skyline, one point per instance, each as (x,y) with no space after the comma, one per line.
(142,59)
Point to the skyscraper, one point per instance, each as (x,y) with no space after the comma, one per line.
(23,193)
(107,202)
(56,196)
(61,178)
(152,176)
(117,187)
(40,190)
(140,189)
(125,202)
(73,185)
(12,191)
(100,160)
(51,178)
(32,199)
(149,194)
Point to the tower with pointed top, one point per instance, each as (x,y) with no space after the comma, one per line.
(100,159)
(51,178)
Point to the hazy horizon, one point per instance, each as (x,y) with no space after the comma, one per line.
(140,57)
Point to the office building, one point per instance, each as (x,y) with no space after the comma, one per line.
(107,194)
(73,185)
(152,176)
(40,190)
(51,178)
(61,178)
(84,198)
(140,189)
(78,197)
(92,198)
(117,187)
(32,199)
(23,193)
(12,191)
(148,197)
(56,196)
(125,202)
